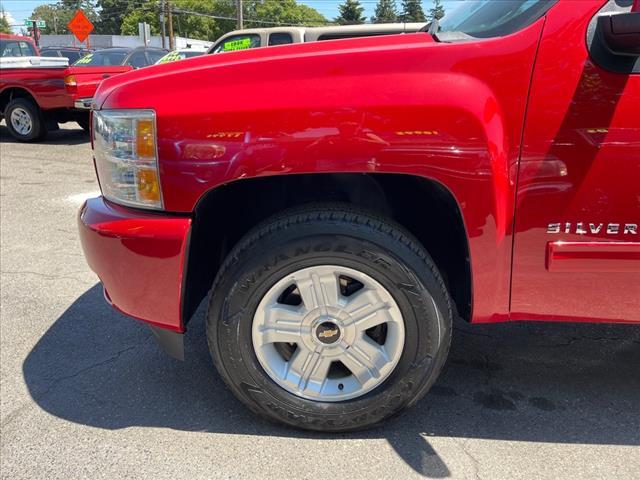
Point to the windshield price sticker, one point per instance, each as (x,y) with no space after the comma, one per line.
(241,44)
(171,57)
(85,59)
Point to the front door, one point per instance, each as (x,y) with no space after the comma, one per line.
(577,244)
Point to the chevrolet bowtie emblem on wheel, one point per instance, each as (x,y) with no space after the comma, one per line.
(328,333)
(583,228)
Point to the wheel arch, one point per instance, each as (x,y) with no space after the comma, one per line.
(225,213)
(10,93)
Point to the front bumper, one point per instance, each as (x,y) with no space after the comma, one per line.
(83,103)
(140,260)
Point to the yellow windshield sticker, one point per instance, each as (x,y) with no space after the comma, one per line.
(170,57)
(85,59)
(240,44)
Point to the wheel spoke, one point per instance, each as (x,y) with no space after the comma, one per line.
(368,310)
(319,290)
(309,368)
(282,323)
(365,358)
(360,366)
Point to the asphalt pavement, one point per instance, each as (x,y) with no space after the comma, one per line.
(86,393)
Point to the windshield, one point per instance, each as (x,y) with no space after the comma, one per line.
(492,18)
(101,59)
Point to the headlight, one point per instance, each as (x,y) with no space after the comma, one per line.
(124,143)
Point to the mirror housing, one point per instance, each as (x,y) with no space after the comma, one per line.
(621,33)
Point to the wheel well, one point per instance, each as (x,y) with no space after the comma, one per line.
(425,208)
(10,93)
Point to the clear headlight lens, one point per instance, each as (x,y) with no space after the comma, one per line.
(124,144)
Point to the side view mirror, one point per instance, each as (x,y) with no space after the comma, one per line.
(621,33)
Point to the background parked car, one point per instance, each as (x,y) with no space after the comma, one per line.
(17,46)
(263,37)
(84,76)
(72,53)
(133,57)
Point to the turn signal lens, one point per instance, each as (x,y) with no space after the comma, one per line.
(148,185)
(145,136)
(70,81)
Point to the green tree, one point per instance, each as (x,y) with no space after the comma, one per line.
(350,13)
(437,11)
(284,12)
(146,12)
(412,11)
(188,23)
(112,13)
(58,15)
(386,12)
(4,23)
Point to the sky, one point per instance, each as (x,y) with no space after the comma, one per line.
(19,10)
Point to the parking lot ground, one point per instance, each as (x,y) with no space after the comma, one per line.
(86,393)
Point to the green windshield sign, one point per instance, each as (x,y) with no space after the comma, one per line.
(240,44)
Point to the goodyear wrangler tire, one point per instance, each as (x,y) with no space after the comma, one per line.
(329,318)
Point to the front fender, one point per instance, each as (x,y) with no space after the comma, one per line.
(452,113)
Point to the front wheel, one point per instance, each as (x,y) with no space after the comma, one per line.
(329,318)
(24,120)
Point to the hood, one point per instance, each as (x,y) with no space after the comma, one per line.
(258,57)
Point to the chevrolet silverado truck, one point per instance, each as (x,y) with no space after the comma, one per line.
(340,203)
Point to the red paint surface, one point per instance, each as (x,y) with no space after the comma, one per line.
(139,258)
(454,113)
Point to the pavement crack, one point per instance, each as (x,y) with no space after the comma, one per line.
(43,275)
(474,461)
(11,417)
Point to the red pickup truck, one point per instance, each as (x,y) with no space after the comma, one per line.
(35,98)
(344,201)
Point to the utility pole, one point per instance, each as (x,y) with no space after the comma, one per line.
(239,14)
(36,33)
(163,10)
(55,23)
(170,24)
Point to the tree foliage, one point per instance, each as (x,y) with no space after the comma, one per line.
(191,18)
(58,15)
(186,22)
(350,13)
(4,23)
(437,11)
(412,11)
(282,12)
(386,12)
